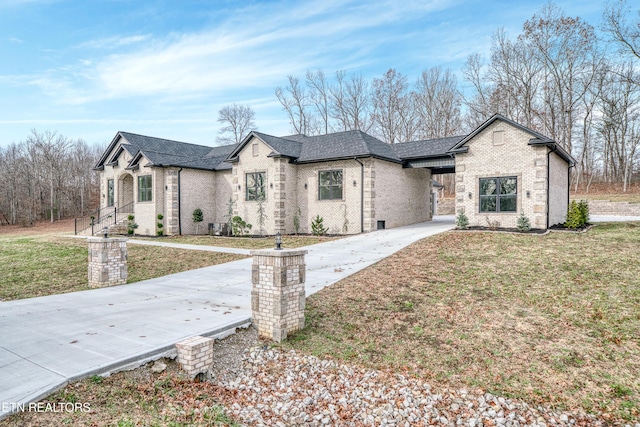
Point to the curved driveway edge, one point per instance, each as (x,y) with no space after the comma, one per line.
(48,341)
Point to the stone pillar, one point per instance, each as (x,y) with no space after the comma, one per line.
(107,262)
(171,224)
(195,355)
(278,294)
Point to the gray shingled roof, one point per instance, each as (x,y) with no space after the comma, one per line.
(165,152)
(344,145)
(281,146)
(300,148)
(426,148)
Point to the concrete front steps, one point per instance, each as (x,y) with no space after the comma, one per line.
(118,228)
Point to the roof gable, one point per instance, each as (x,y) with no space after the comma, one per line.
(281,147)
(536,138)
(165,152)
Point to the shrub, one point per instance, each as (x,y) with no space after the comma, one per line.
(462,221)
(131,224)
(583,208)
(523,224)
(575,217)
(159,225)
(197,217)
(239,226)
(296,219)
(317,228)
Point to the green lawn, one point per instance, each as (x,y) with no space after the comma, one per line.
(288,241)
(551,319)
(44,265)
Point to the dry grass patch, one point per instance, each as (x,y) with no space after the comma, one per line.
(46,265)
(552,319)
(135,398)
(268,242)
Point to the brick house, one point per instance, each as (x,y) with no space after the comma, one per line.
(504,169)
(354,181)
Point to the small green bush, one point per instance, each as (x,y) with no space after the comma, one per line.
(317,228)
(239,226)
(577,215)
(583,208)
(197,217)
(131,224)
(523,224)
(462,221)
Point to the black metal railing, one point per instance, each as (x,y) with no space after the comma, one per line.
(102,217)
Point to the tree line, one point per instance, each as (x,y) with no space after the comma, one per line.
(47,176)
(557,77)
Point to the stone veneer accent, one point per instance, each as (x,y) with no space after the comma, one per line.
(107,262)
(172,212)
(195,355)
(278,295)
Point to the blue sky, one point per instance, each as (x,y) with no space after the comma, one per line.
(89,68)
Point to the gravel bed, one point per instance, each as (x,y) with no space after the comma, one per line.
(277,388)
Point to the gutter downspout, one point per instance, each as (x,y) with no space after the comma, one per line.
(361,194)
(548,182)
(179,206)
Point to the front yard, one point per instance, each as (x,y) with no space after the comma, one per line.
(549,319)
(553,320)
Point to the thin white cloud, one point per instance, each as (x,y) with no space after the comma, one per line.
(269,44)
(113,42)
(16,40)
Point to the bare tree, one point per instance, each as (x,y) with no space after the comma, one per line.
(391,104)
(437,104)
(320,93)
(238,121)
(295,102)
(479,104)
(625,34)
(567,48)
(620,125)
(350,102)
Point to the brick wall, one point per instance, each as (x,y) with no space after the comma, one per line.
(402,196)
(605,207)
(198,190)
(512,157)
(340,216)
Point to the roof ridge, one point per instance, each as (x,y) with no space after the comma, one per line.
(164,139)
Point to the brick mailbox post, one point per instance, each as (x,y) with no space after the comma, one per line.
(107,262)
(278,294)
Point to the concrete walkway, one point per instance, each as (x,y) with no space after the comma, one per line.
(49,341)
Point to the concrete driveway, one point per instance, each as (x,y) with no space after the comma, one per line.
(49,341)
